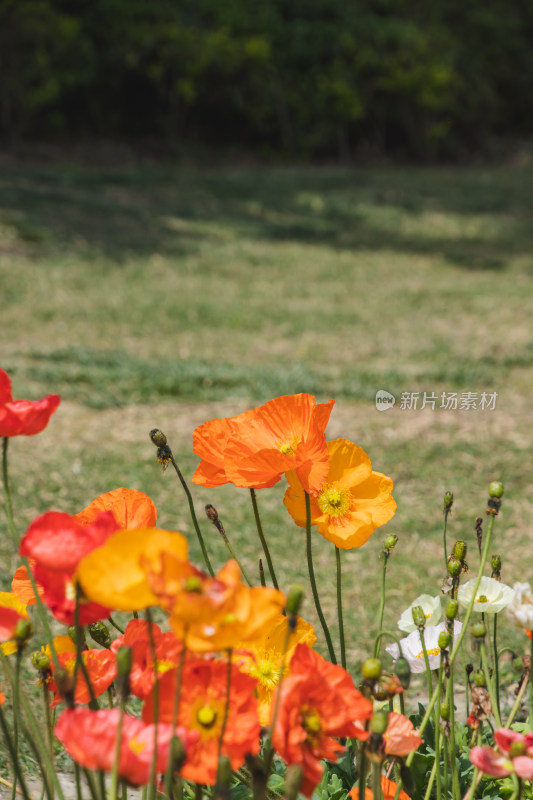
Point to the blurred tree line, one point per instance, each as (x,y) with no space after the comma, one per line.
(423,78)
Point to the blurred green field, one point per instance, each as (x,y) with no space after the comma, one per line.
(156,295)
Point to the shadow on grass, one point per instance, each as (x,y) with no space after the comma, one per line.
(475,219)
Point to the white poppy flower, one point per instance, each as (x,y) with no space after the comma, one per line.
(491,597)
(520,609)
(431,606)
(412,646)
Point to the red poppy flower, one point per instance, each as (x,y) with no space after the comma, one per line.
(167,647)
(318,705)
(9,619)
(101,668)
(202,708)
(254,449)
(57,542)
(89,737)
(131,509)
(23,417)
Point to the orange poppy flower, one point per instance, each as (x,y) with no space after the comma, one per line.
(23,417)
(400,737)
(263,656)
(112,574)
(388,788)
(167,648)
(350,503)
(254,449)
(89,737)
(10,602)
(57,542)
(202,708)
(101,669)
(131,509)
(212,613)
(318,704)
(21,586)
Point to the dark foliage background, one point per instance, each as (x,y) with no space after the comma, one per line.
(317,78)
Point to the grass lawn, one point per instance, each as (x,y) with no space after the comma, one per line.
(156,295)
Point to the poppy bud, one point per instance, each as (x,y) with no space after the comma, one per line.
(178,753)
(479,677)
(403,672)
(372,669)
(100,634)
(23,631)
(295,598)
(444,640)
(124,660)
(225,772)
(40,661)
(479,630)
(378,722)
(65,683)
(454,567)
(293,781)
(211,512)
(419,618)
(444,711)
(459,550)
(448,501)
(452,607)
(496,489)
(158,437)
(390,542)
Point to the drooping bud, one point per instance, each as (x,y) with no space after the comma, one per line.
(444,640)
(23,631)
(452,609)
(390,542)
(496,489)
(403,672)
(459,550)
(211,512)
(448,501)
(372,669)
(479,630)
(378,722)
(419,618)
(100,634)
(454,567)
(158,437)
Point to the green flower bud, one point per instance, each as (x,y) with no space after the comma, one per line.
(293,781)
(178,753)
(448,501)
(518,664)
(479,677)
(444,640)
(403,672)
(454,567)
(40,661)
(496,563)
(100,634)
(452,608)
(419,618)
(23,631)
(496,489)
(379,722)
(390,542)
(479,630)
(444,711)
(372,669)
(65,683)
(295,598)
(459,550)
(158,437)
(225,772)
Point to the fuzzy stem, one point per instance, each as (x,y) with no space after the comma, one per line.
(263,540)
(313,581)
(339,607)
(193,517)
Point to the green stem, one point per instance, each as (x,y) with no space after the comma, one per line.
(114,624)
(456,648)
(444,544)
(268,749)
(114,772)
(456,791)
(14,755)
(313,581)
(531,685)
(152,784)
(376,781)
(226,706)
(263,540)
(16,706)
(339,607)
(426,661)
(489,683)
(362,770)
(7,492)
(381,604)
(193,517)
(175,715)
(496,664)
(431,780)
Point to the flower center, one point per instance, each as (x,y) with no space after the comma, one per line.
(136,746)
(288,447)
(482,599)
(433,651)
(334,500)
(266,670)
(518,748)
(193,585)
(311,725)
(206,716)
